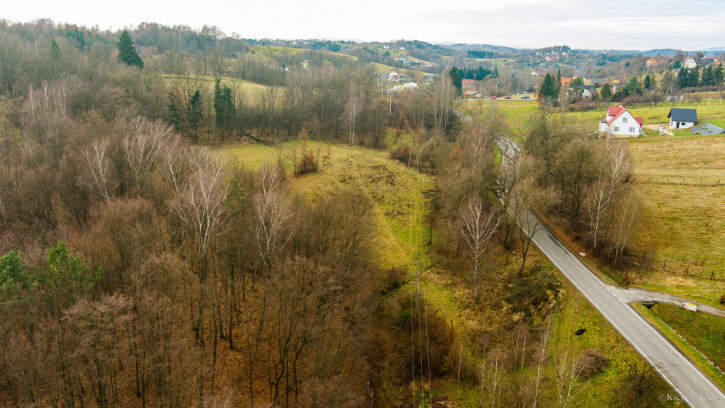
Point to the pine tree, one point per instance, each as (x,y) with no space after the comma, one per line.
(557,84)
(455,75)
(127,52)
(632,87)
(717,75)
(683,78)
(54,50)
(694,77)
(547,92)
(223,107)
(647,82)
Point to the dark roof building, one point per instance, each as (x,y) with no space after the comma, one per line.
(683,115)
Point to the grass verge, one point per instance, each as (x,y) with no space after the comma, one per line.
(681,343)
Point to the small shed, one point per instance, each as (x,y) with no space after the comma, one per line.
(682,118)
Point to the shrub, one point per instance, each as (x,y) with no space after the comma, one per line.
(722,300)
(592,362)
(392,279)
(401,154)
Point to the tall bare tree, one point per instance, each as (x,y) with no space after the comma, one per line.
(99,167)
(144,145)
(477,227)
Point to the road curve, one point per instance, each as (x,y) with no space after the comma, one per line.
(691,384)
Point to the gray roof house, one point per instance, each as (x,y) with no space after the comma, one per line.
(682,115)
(682,118)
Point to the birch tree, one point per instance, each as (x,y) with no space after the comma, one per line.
(477,227)
(99,167)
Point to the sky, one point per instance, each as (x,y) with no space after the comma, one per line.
(612,24)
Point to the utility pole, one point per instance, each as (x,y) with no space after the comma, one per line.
(390,102)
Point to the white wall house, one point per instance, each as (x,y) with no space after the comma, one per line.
(620,122)
(682,118)
(393,76)
(689,63)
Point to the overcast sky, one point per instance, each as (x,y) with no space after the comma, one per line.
(612,24)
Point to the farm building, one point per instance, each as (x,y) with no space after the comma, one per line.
(620,122)
(682,118)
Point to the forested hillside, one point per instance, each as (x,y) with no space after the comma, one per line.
(188,219)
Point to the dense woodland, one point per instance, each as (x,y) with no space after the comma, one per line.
(138,267)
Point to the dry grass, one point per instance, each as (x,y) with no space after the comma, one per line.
(682,182)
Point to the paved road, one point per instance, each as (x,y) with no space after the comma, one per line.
(692,385)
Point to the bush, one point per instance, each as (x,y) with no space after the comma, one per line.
(401,154)
(592,362)
(392,279)
(722,300)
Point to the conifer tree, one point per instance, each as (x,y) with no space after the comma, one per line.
(127,52)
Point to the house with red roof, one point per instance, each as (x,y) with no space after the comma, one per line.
(620,122)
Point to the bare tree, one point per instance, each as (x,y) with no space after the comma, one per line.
(528,197)
(144,145)
(201,205)
(566,375)
(272,214)
(540,364)
(477,227)
(614,172)
(352,109)
(99,167)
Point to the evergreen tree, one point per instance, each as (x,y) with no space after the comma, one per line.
(707,78)
(223,107)
(647,82)
(717,75)
(455,75)
(54,50)
(127,52)
(694,77)
(632,87)
(557,84)
(547,92)
(606,92)
(683,78)
(677,64)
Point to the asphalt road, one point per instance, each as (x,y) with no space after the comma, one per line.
(691,384)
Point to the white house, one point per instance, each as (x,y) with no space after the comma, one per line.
(689,63)
(620,122)
(394,76)
(682,118)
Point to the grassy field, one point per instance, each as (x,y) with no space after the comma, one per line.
(682,183)
(517,112)
(400,199)
(208,81)
(705,332)
(697,335)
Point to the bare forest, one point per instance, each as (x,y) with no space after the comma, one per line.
(141,266)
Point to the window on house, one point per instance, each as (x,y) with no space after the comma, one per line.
(624,120)
(631,130)
(616,129)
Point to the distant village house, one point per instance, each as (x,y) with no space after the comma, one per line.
(689,63)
